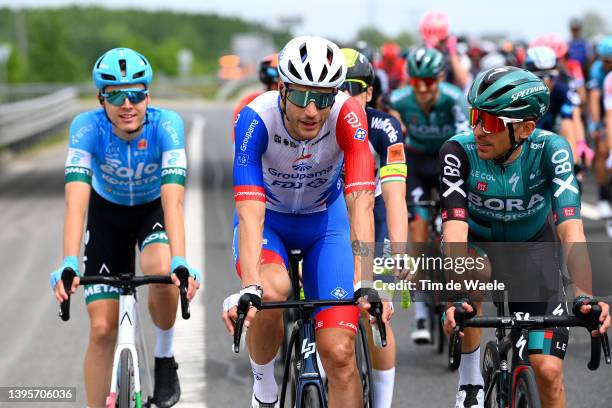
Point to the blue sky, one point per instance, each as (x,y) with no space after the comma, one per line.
(340,19)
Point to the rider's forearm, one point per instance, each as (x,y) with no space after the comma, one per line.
(394,196)
(594,107)
(77,199)
(361,218)
(251,216)
(571,234)
(172,197)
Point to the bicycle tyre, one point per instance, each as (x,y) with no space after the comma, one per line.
(311,397)
(490,365)
(525,390)
(364,365)
(126,381)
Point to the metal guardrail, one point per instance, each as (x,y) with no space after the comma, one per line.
(25,119)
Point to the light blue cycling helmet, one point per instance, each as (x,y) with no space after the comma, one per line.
(107,70)
(604,47)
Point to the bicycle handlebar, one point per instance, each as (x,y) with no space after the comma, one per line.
(590,322)
(243,308)
(126,281)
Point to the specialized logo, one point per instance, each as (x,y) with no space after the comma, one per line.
(339,293)
(513,180)
(301,163)
(352,119)
(520,344)
(558,310)
(528,91)
(360,134)
(308,348)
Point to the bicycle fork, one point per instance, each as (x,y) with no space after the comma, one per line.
(125,341)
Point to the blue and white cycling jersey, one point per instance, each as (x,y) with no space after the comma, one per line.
(300,177)
(122,172)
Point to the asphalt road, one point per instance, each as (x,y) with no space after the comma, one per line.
(40,350)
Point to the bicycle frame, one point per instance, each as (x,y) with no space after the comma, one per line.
(126,340)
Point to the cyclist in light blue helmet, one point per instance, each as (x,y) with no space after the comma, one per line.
(126,170)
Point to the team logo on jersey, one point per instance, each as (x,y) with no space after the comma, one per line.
(569,211)
(339,293)
(142,144)
(513,180)
(360,134)
(395,154)
(301,163)
(242,159)
(277,139)
(352,119)
(481,186)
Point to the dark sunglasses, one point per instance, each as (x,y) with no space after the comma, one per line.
(550,75)
(117,97)
(321,100)
(354,86)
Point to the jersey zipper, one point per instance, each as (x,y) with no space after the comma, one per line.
(299,192)
(129,163)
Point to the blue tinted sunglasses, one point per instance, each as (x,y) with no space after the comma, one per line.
(117,97)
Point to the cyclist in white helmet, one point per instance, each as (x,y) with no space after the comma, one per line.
(290,147)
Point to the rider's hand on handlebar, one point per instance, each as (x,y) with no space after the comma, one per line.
(194,276)
(604,317)
(230,306)
(55,280)
(449,320)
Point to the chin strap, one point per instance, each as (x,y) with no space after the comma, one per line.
(501,159)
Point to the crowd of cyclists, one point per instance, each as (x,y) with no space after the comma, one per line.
(326,158)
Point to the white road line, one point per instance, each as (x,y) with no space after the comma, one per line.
(589,211)
(189,334)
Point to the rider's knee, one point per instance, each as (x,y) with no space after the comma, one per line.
(549,374)
(103,333)
(339,355)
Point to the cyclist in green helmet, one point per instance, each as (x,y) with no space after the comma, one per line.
(432,111)
(499,183)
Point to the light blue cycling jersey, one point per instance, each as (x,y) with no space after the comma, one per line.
(127,173)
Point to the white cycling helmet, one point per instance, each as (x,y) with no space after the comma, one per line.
(540,58)
(312,61)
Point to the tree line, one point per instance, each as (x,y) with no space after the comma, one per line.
(62,44)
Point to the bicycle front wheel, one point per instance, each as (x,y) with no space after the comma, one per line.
(364,366)
(490,366)
(126,381)
(525,390)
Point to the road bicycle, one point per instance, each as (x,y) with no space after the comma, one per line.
(301,370)
(514,385)
(126,390)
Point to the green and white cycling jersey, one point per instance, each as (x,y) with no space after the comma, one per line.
(511,202)
(427,133)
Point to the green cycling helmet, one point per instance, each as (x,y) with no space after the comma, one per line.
(425,63)
(510,92)
(358,66)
